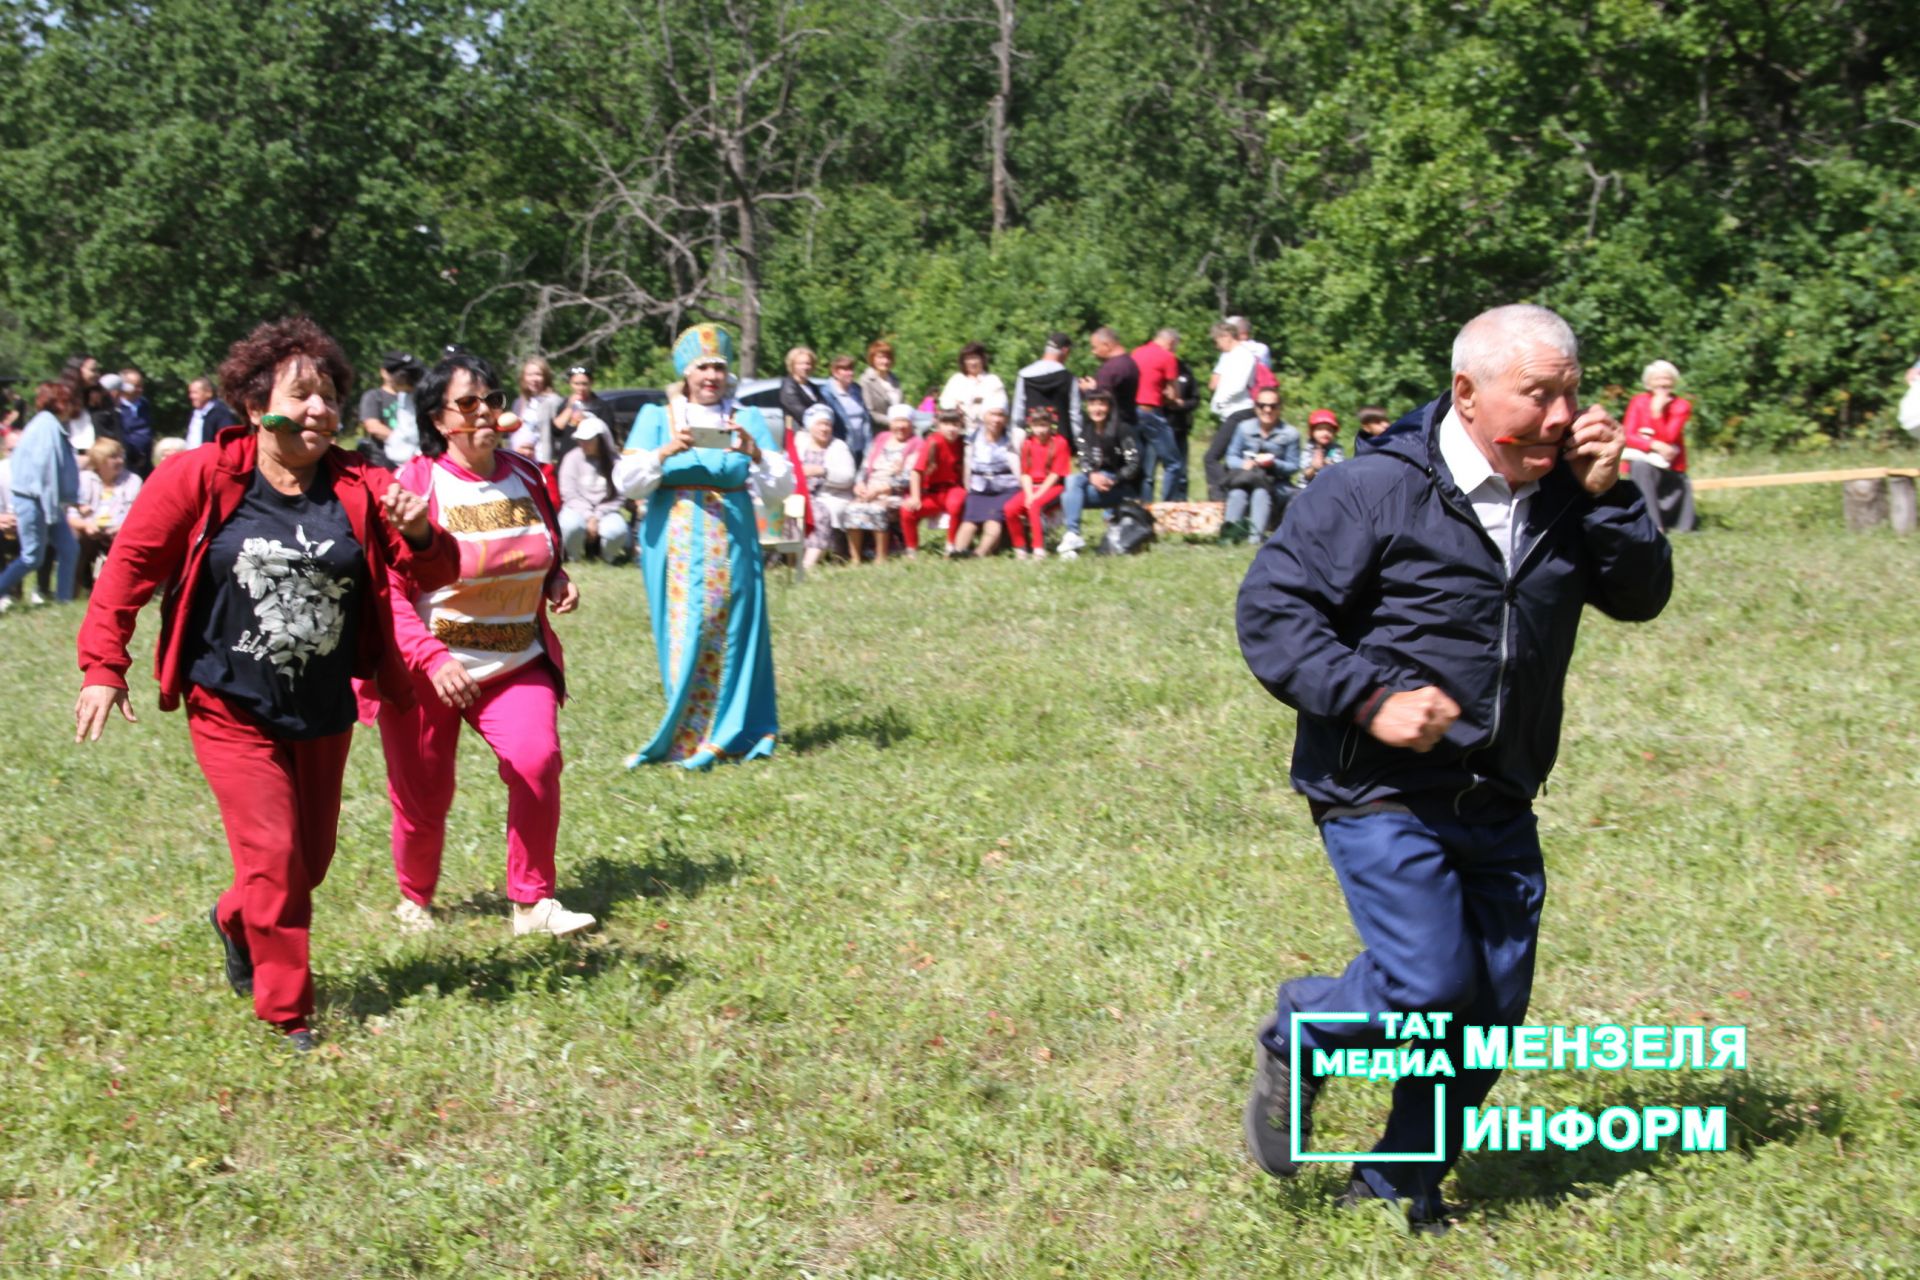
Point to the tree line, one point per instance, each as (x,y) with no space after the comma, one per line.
(1728,184)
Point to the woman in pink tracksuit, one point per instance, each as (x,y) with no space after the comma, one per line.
(480,650)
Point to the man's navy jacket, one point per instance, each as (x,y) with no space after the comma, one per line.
(1382,577)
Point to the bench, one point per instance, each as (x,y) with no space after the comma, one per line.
(1872,495)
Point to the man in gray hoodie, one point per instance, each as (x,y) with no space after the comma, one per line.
(1046,381)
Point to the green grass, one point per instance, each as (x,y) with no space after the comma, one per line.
(962,982)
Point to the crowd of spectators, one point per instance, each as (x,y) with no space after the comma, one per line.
(990,463)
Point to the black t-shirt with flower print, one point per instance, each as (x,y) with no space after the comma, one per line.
(275,624)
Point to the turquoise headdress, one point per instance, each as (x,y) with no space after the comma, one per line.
(701,343)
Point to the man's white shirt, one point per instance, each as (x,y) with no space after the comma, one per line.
(1502,511)
(1233,394)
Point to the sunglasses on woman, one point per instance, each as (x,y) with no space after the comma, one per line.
(468,406)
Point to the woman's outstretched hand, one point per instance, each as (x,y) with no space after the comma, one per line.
(95,708)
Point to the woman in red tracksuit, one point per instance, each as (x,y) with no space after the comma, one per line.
(274,548)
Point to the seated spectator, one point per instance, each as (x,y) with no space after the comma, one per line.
(1110,467)
(973,390)
(1909,411)
(107,491)
(828,466)
(1261,464)
(1655,460)
(1373,421)
(165,447)
(590,505)
(992,477)
(1045,464)
(1322,448)
(885,480)
(936,489)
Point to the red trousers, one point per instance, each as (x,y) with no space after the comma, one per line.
(1020,516)
(280,804)
(948,499)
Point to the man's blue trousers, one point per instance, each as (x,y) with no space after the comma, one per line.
(1448,913)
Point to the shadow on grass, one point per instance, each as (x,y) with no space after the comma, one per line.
(883,728)
(600,885)
(531,967)
(1757,1114)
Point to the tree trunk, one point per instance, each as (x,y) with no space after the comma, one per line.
(997,121)
(749,252)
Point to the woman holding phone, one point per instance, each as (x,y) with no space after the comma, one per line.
(693,460)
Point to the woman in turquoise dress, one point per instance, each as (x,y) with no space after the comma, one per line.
(700,550)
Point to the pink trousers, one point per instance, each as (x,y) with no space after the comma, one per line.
(517,716)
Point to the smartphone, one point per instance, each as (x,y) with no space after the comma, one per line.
(712,438)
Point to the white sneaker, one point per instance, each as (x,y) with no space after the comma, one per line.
(548,916)
(1071,543)
(1039,553)
(412,917)
(35,599)
(1019,553)
(6,603)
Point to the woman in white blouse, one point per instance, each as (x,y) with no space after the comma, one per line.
(973,390)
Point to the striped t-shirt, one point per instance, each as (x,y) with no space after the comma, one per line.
(489,619)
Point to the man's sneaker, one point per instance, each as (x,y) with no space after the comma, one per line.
(412,917)
(300,1040)
(1071,545)
(6,603)
(1421,1223)
(239,959)
(35,599)
(548,916)
(1269,1116)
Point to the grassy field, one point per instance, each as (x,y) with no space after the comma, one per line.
(962,983)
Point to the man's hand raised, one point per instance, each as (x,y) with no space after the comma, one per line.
(1416,718)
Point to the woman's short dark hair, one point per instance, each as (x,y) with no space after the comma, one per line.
(430,397)
(1099,393)
(246,375)
(55,398)
(974,349)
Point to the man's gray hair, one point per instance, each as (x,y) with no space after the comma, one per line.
(1493,341)
(202,382)
(1225,329)
(1243,325)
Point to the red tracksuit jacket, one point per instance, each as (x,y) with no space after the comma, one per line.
(164,544)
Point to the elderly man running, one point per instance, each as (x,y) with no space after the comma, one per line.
(1418,610)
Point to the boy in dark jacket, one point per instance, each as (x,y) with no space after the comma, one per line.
(1418,611)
